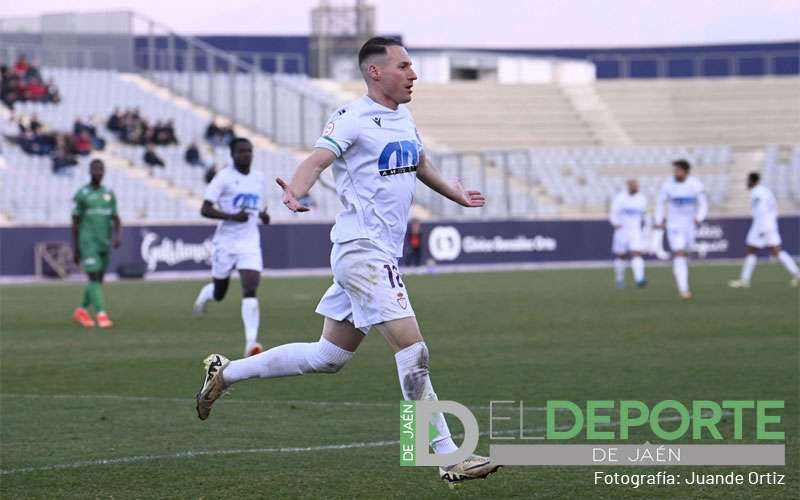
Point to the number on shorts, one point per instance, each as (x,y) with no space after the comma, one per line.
(393,273)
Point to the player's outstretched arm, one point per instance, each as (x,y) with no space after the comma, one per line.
(431,177)
(304,178)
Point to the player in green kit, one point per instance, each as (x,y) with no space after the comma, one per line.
(95,229)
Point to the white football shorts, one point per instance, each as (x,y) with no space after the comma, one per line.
(761,239)
(224,262)
(626,241)
(367,286)
(681,238)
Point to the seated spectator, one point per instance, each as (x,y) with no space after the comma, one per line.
(21,67)
(83,143)
(218,135)
(24,82)
(52,92)
(151,159)
(62,161)
(34,125)
(192,156)
(114,122)
(36,91)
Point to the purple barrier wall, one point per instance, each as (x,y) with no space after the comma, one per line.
(183,248)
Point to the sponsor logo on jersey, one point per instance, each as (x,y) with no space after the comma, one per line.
(246,201)
(328,129)
(406,158)
(683,200)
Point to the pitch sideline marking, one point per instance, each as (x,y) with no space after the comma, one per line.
(120,397)
(244,451)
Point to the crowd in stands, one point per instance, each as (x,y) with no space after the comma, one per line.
(34,138)
(131,128)
(219,134)
(23,82)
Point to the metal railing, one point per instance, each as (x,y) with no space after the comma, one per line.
(287,109)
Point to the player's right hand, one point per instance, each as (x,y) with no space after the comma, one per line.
(289,199)
(242,216)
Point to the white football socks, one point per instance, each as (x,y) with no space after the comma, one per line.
(680,269)
(415,382)
(250,318)
(637,264)
(289,360)
(789,263)
(619,270)
(747,269)
(206,294)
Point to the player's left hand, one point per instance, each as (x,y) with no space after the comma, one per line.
(289,199)
(264,217)
(468,198)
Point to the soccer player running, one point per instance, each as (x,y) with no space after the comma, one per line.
(627,213)
(686,204)
(238,192)
(763,233)
(377,156)
(96,228)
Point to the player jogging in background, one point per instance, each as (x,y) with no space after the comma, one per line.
(763,233)
(627,215)
(237,191)
(377,157)
(685,201)
(96,228)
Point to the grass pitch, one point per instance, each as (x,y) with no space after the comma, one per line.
(110,414)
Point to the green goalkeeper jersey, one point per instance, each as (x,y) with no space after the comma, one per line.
(95,207)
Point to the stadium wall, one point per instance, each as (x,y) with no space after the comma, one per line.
(307,246)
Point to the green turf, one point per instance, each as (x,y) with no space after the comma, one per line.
(527,336)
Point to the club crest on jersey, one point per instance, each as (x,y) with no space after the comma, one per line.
(398,157)
(246,200)
(107,197)
(401,300)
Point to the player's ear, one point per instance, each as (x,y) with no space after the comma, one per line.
(374,72)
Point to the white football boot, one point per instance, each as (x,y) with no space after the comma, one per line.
(213,384)
(739,284)
(474,467)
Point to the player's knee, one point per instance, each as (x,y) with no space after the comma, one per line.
(249,292)
(327,357)
(219,292)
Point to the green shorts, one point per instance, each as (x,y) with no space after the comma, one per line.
(94,258)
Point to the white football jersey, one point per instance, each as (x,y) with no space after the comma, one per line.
(685,201)
(377,152)
(765,208)
(232,192)
(628,210)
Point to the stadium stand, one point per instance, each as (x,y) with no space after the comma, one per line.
(473,116)
(174,194)
(736,111)
(536,150)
